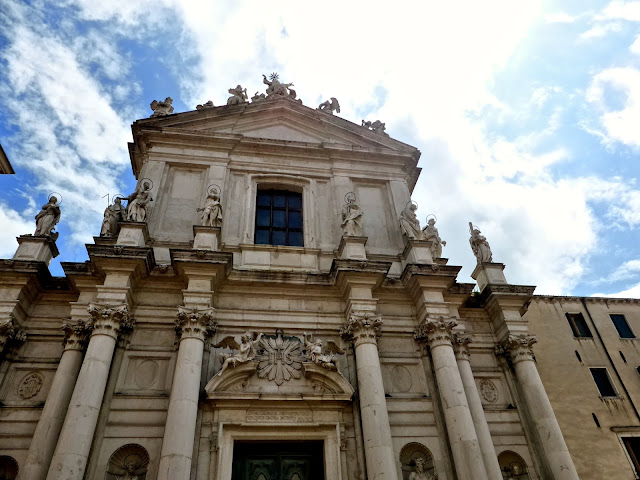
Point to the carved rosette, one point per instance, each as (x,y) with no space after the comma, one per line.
(436,331)
(362,328)
(517,347)
(11,334)
(76,335)
(195,323)
(461,346)
(110,320)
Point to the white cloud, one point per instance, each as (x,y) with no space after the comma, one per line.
(559,17)
(13,225)
(635,46)
(633,292)
(622,10)
(600,30)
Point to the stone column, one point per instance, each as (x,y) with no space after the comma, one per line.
(179,431)
(467,456)
(48,429)
(364,329)
(537,402)
(489,456)
(72,451)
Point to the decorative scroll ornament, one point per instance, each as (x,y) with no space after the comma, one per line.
(30,385)
(76,335)
(11,334)
(110,320)
(195,322)
(517,347)
(280,358)
(461,346)
(436,331)
(363,327)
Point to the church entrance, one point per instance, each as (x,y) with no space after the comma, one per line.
(278,460)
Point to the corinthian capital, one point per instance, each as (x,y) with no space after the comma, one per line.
(195,322)
(517,347)
(436,331)
(76,335)
(110,320)
(11,334)
(461,346)
(363,327)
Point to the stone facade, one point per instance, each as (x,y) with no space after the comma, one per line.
(183,337)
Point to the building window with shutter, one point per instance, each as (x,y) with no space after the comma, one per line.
(579,325)
(603,382)
(279,218)
(623,328)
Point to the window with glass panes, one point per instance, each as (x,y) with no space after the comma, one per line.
(622,326)
(279,218)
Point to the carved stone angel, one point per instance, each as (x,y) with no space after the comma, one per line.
(325,356)
(246,350)
(160,109)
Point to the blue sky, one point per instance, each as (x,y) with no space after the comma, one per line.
(527,113)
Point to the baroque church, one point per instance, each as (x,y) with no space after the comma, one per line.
(266,305)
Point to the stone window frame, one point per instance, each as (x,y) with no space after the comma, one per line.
(293,183)
(613,386)
(633,337)
(622,434)
(574,327)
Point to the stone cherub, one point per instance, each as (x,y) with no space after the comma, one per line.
(376,126)
(211,210)
(420,473)
(138,206)
(351,217)
(409,222)
(325,356)
(113,214)
(47,218)
(479,245)
(160,109)
(330,106)
(431,234)
(238,96)
(246,350)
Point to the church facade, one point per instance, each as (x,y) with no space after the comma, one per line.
(267,306)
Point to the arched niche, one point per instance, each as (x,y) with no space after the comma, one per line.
(129,462)
(411,454)
(513,466)
(8,468)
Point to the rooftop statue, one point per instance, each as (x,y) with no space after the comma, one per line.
(258,97)
(209,104)
(160,109)
(113,214)
(138,206)
(246,350)
(409,222)
(238,96)
(330,106)
(431,235)
(351,217)
(277,89)
(479,245)
(211,215)
(47,218)
(377,126)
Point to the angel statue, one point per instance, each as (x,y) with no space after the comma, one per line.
(211,210)
(138,206)
(330,106)
(479,245)
(238,96)
(323,356)
(420,472)
(47,218)
(246,350)
(351,217)
(160,109)
(409,222)
(431,235)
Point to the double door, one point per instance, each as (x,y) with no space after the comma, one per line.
(278,461)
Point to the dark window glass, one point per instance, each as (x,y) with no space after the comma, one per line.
(622,326)
(603,382)
(279,218)
(578,325)
(632,444)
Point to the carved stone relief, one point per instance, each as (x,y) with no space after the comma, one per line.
(417,462)
(280,358)
(30,385)
(488,391)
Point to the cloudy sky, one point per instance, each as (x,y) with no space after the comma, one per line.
(527,112)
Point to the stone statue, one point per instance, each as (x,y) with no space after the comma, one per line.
(515,471)
(160,109)
(137,209)
(246,350)
(420,472)
(377,126)
(113,214)
(431,235)
(480,246)
(330,106)
(238,96)
(47,218)
(409,222)
(209,104)
(321,355)
(211,210)
(351,217)
(277,89)
(130,473)
(258,97)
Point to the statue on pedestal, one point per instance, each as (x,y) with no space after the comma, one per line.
(479,245)
(212,210)
(113,214)
(409,222)
(351,217)
(238,96)
(330,106)
(431,234)
(47,219)
(138,206)
(161,109)
(277,89)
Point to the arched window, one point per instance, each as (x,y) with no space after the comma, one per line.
(415,457)
(8,468)
(513,466)
(129,462)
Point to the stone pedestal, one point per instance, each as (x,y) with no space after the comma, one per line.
(48,429)
(417,251)
(206,238)
(489,273)
(133,234)
(352,248)
(38,248)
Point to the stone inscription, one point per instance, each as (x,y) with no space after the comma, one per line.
(279,416)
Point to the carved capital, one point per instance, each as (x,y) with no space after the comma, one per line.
(436,331)
(76,335)
(461,346)
(363,327)
(11,334)
(195,322)
(110,320)
(517,347)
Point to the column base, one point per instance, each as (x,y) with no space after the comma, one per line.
(38,248)
(206,238)
(133,234)
(489,273)
(417,251)
(352,248)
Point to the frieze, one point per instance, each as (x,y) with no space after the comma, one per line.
(279,416)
